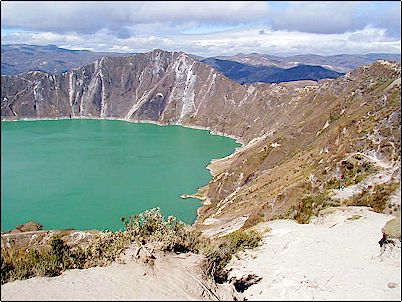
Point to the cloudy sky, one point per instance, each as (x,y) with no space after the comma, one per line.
(207,28)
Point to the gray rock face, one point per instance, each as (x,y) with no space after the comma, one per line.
(165,87)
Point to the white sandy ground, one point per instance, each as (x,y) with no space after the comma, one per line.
(332,258)
(171,278)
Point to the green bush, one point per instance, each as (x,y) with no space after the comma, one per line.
(170,234)
(310,205)
(220,252)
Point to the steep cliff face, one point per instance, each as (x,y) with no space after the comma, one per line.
(167,87)
(294,134)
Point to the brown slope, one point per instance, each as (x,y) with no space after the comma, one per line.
(357,113)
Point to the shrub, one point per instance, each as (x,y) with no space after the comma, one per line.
(353,172)
(310,205)
(376,198)
(171,235)
(149,227)
(26,263)
(219,253)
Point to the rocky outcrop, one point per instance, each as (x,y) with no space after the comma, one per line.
(293,134)
(30,226)
(392,229)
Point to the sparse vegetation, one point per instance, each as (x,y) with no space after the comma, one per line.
(23,264)
(219,253)
(355,217)
(334,114)
(310,205)
(353,171)
(149,227)
(376,198)
(253,220)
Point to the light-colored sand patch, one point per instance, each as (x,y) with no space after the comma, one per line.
(336,257)
(171,278)
(222,228)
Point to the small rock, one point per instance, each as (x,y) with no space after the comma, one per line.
(245,282)
(392,284)
(392,228)
(30,226)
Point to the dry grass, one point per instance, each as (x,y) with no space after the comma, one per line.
(353,172)
(310,205)
(376,198)
(219,252)
(147,228)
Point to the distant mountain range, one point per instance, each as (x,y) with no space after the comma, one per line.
(340,63)
(20,58)
(246,74)
(242,68)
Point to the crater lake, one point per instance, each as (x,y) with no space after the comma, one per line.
(87,174)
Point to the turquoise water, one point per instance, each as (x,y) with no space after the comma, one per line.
(87,174)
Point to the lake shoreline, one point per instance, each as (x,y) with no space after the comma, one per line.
(195,196)
(212,132)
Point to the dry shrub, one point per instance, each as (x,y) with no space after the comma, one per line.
(25,263)
(310,205)
(149,227)
(376,198)
(219,252)
(354,170)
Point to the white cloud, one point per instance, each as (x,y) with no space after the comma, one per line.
(228,42)
(119,17)
(338,16)
(291,28)
(319,17)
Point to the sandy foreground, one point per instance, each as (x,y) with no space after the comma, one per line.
(171,278)
(333,258)
(336,257)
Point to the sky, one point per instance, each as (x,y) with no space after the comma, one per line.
(207,28)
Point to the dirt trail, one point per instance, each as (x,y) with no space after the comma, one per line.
(336,257)
(384,175)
